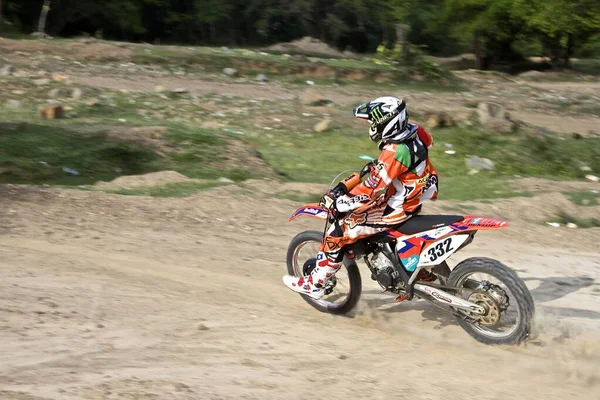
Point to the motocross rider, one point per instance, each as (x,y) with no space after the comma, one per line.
(402,177)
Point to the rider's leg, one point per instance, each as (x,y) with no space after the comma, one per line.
(329,260)
(331,255)
(313,285)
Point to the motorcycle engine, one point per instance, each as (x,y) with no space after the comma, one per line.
(385,273)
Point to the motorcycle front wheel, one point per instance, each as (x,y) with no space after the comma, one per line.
(343,291)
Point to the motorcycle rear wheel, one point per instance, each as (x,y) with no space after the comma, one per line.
(514,289)
(299,268)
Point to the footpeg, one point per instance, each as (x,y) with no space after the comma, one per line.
(401,298)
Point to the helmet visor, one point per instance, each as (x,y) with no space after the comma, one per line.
(362,111)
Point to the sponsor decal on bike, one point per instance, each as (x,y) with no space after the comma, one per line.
(438,232)
(312,211)
(440,297)
(436,294)
(485,222)
(410,264)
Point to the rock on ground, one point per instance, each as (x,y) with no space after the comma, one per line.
(438,119)
(494,117)
(77,93)
(62,78)
(41,82)
(55,93)
(487,111)
(230,71)
(52,111)
(479,163)
(7,70)
(322,125)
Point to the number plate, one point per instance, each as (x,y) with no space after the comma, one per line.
(440,250)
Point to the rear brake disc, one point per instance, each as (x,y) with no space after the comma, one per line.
(492,313)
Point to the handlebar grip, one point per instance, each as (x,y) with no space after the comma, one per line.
(366,169)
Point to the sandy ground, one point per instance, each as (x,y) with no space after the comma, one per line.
(117,297)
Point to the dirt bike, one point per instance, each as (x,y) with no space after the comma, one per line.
(487,298)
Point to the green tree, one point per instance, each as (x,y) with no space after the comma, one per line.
(280,20)
(209,13)
(490,26)
(428,25)
(496,30)
(561,25)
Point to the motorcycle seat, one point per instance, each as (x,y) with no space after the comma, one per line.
(422,223)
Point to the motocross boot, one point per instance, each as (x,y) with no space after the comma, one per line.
(313,285)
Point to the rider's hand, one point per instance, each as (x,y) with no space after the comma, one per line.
(327,202)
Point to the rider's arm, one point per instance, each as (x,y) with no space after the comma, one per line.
(390,165)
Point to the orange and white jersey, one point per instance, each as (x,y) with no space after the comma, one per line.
(402,178)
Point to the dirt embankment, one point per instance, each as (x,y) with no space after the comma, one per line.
(83,50)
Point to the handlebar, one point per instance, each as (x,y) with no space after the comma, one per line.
(366,169)
(342,189)
(351,181)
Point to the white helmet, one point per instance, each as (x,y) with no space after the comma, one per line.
(388,117)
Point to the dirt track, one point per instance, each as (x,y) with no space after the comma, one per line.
(116,297)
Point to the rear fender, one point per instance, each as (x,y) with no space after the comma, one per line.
(313,210)
(443,242)
(432,247)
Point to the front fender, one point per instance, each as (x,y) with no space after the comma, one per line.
(310,210)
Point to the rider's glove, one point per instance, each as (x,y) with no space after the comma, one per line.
(328,203)
(346,203)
